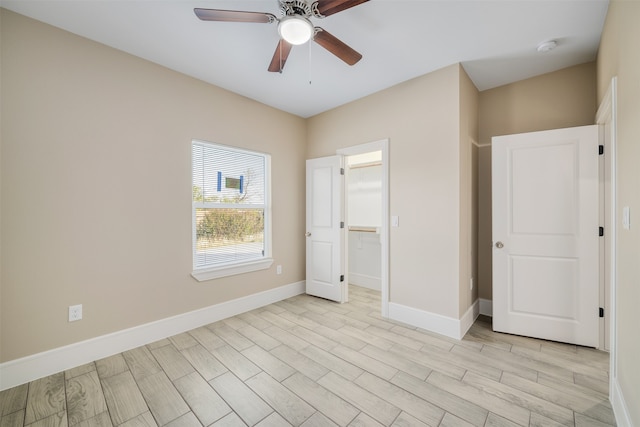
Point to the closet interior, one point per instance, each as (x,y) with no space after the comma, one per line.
(364,212)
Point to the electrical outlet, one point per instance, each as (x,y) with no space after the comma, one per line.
(75,312)
(471,284)
(279,269)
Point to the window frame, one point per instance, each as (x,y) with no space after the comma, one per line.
(240,267)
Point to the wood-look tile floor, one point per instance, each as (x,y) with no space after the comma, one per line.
(309,362)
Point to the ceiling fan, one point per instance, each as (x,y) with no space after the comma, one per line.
(294,27)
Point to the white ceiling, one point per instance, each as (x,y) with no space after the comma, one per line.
(495,40)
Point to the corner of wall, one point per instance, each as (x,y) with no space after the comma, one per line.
(468,202)
(443,325)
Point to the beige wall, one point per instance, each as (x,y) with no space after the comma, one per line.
(421,118)
(96,170)
(619,56)
(564,98)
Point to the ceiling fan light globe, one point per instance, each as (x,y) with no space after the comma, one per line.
(295,30)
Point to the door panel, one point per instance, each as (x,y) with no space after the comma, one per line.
(325,238)
(535,278)
(322,203)
(322,270)
(555,175)
(545,232)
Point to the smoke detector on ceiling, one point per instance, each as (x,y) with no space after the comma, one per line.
(547,46)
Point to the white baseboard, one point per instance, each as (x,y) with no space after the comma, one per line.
(448,326)
(486,307)
(29,368)
(365,281)
(469,317)
(620,409)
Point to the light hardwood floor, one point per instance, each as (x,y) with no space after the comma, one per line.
(309,362)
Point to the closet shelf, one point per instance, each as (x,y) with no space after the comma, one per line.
(364,229)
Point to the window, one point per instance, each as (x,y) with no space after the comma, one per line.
(231,214)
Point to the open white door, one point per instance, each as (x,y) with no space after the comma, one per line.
(325,237)
(545,235)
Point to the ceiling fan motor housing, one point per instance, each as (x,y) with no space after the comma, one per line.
(298,7)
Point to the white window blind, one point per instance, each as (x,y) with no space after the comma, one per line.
(229,205)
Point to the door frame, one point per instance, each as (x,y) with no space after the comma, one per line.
(382,146)
(607,115)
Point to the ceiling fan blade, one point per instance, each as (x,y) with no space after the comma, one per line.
(234,16)
(329,7)
(280,56)
(337,47)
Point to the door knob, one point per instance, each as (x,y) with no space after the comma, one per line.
(308,234)
(499,245)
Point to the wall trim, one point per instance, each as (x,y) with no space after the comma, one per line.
(620,408)
(486,307)
(29,368)
(443,325)
(365,281)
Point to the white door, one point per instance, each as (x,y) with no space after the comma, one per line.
(545,235)
(325,237)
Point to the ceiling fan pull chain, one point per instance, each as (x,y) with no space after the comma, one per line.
(309,44)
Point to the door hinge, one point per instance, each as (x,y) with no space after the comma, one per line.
(600,150)
(341,171)
(601,231)
(342,278)
(601,312)
(341,224)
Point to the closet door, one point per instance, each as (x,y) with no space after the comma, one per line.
(545,190)
(325,236)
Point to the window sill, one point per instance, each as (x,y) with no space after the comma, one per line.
(231,270)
